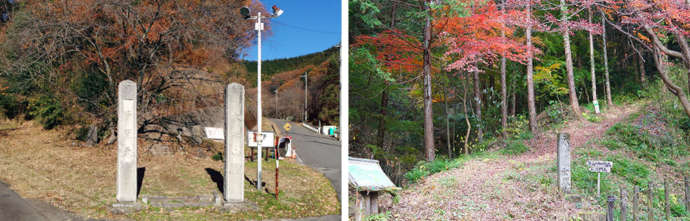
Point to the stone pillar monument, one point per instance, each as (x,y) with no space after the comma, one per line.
(233,179)
(127,142)
(564,162)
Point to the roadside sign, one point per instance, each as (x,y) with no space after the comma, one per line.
(214,133)
(599,166)
(268,139)
(287,126)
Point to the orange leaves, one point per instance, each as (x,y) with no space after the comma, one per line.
(476,38)
(398,52)
(642,37)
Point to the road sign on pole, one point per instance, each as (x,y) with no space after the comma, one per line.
(287,126)
(266,139)
(599,167)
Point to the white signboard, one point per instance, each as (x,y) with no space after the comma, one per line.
(599,166)
(268,139)
(214,133)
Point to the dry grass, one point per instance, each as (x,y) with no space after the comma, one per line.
(52,167)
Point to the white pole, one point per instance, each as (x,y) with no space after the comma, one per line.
(276,115)
(344,102)
(598,178)
(306,93)
(259,136)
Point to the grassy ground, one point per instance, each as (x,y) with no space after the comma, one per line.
(645,148)
(506,185)
(50,166)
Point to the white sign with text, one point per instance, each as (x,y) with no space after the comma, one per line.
(214,133)
(267,141)
(599,166)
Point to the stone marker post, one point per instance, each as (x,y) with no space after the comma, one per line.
(609,212)
(564,162)
(650,198)
(127,142)
(233,183)
(624,209)
(687,194)
(667,211)
(636,198)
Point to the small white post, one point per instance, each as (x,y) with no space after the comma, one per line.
(598,184)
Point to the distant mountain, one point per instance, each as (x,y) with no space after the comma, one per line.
(271,67)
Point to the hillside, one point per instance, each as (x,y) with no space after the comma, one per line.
(271,67)
(519,181)
(323,96)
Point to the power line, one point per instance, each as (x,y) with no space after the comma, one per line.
(306,29)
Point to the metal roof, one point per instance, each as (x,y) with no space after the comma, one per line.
(366,174)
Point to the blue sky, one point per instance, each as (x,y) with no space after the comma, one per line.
(307,26)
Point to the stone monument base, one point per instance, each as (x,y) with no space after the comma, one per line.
(237,206)
(125,207)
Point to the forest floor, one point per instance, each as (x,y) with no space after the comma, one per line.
(49,166)
(498,187)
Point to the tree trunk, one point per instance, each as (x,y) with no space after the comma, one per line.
(595,102)
(448,139)
(504,89)
(640,63)
(467,120)
(530,78)
(685,51)
(428,118)
(609,100)
(674,89)
(512,107)
(478,104)
(382,117)
(659,47)
(569,61)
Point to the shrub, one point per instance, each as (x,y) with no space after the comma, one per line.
(557,112)
(47,110)
(612,143)
(633,171)
(591,117)
(518,128)
(218,156)
(514,148)
(585,180)
(424,169)
(9,106)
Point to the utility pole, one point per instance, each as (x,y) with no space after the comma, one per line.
(276,98)
(259,26)
(306,93)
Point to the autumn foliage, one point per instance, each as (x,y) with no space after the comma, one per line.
(79,50)
(475,39)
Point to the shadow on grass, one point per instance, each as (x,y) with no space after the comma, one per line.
(217,178)
(140,178)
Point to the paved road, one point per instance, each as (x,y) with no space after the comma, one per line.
(13,207)
(316,151)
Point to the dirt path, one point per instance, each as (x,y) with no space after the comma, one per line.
(503,188)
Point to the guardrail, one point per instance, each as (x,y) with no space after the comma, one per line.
(311,128)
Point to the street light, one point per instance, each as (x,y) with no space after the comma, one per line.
(259,26)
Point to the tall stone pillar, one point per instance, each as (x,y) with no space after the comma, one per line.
(564,162)
(127,142)
(233,183)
